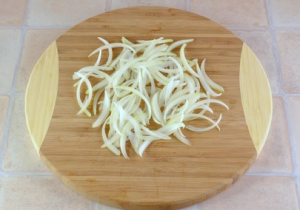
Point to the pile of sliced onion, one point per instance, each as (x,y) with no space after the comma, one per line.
(146,81)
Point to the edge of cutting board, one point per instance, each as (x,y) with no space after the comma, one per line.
(41,95)
(43,83)
(256,97)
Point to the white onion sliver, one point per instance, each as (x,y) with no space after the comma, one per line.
(193,128)
(147,81)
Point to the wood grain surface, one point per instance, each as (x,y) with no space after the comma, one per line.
(41,95)
(171,175)
(256,97)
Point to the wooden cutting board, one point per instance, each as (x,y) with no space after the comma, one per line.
(171,175)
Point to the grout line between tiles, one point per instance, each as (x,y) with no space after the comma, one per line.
(26,13)
(49,27)
(271,174)
(187,5)
(275,47)
(108,5)
(286,27)
(35,27)
(291,94)
(292,144)
(247,28)
(264,28)
(283,94)
(288,114)
(10,27)
(12,93)
(15,173)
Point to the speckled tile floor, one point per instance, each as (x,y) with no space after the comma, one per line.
(270,27)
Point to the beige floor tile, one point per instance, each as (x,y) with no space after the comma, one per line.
(276,154)
(256,193)
(289,52)
(9,50)
(285,13)
(63,13)
(103,207)
(39,193)
(261,44)
(12,12)
(4,102)
(294,107)
(241,13)
(35,43)
(20,154)
(116,4)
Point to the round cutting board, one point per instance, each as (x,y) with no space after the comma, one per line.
(170,175)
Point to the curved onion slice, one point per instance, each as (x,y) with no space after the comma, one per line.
(146,82)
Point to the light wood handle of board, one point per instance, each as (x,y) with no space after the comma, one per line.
(256,97)
(43,83)
(41,95)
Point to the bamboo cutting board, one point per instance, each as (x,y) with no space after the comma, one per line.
(171,175)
